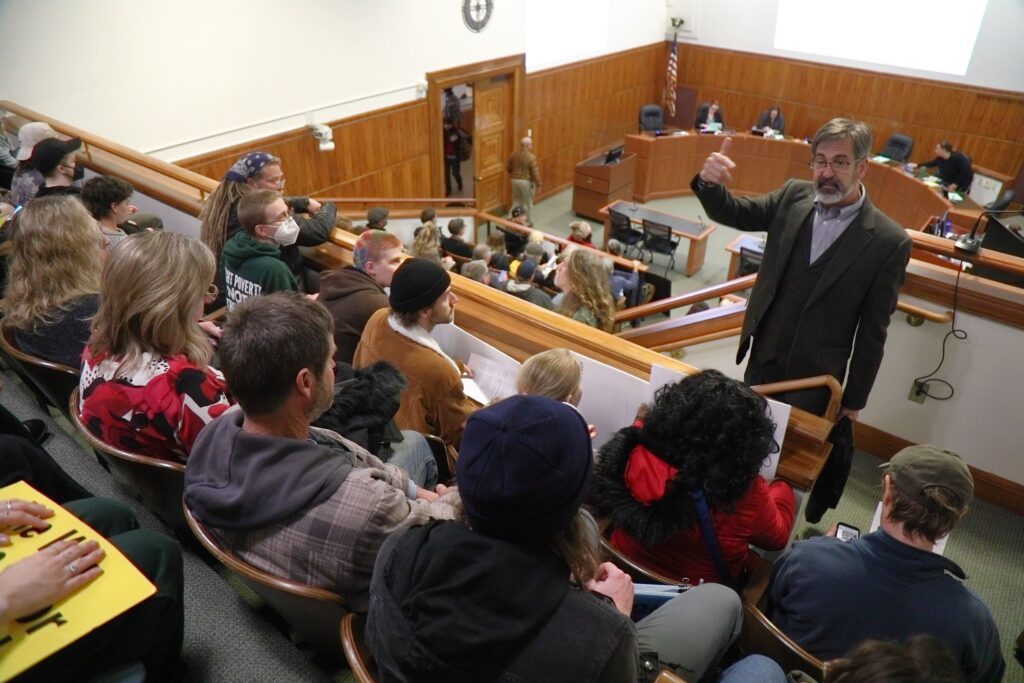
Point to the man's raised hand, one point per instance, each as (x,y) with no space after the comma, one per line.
(717,166)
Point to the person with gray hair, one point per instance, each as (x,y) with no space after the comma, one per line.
(832,269)
(525,173)
(477,271)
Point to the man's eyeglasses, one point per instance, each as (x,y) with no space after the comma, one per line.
(838,165)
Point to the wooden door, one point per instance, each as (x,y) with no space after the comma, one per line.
(492,141)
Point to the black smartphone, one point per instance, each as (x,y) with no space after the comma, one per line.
(846,533)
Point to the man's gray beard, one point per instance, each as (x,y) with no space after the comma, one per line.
(828,197)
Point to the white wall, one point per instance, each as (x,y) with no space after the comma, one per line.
(183,78)
(750,27)
(982,422)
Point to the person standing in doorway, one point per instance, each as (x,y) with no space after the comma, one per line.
(452,165)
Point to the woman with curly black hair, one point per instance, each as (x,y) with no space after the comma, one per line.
(706,434)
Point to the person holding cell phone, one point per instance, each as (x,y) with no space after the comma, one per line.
(828,595)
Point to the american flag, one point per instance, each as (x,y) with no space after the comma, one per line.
(670,77)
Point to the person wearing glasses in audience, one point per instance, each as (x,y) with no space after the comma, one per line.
(262,171)
(146,383)
(832,269)
(251,264)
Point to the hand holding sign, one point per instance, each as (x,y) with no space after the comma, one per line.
(47,576)
(717,166)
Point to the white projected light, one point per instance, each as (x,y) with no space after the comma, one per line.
(565,31)
(930,35)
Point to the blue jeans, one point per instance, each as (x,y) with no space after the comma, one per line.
(413,455)
(754,669)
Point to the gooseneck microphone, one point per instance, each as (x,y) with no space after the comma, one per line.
(971,243)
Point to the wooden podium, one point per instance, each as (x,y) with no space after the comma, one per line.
(597,185)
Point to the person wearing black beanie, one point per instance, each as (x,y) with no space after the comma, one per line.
(421,298)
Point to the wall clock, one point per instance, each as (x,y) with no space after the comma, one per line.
(477,13)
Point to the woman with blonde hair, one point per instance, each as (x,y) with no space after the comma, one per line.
(554,373)
(54,279)
(587,298)
(146,384)
(427,245)
(580,233)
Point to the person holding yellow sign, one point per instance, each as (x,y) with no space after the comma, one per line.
(84,591)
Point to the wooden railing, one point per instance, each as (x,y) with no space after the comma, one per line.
(670,303)
(525,230)
(108,156)
(715,323)
(940,246)
(522,329)
(367,202)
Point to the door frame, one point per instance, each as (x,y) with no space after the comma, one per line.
(513,66)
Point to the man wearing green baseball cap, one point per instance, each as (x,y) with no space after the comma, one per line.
(829,596)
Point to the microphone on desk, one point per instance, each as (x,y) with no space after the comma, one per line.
(972,243)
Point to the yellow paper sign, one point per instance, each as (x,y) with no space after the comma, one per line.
(27,641)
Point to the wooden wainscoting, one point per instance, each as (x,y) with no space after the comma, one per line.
(383,153)
(581,108)
(987,486)
(984,123)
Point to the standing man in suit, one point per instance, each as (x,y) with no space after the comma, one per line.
(832,269)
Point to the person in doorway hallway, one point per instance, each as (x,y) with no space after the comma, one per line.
(525,173)
(832,269)
(452,165)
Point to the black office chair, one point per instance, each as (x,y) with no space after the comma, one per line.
(750,261)
(651,117)
(659,239)
(1001,202)
(622,230)
(898,147)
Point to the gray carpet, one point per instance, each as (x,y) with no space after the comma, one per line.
(225,638)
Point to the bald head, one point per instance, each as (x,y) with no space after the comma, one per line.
(527,143)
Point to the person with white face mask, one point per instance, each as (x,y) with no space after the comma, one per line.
(251,261)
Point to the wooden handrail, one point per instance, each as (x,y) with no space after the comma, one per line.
(201,183)
(933,244)
(523,329)
(737,285)
(672,302)
(924,313)
(562,242)
(384,201)
(835,390)
(721,321)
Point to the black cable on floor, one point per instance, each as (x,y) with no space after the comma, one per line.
(923,381)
